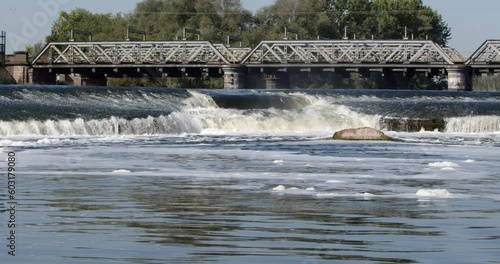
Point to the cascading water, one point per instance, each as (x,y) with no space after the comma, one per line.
(49,111)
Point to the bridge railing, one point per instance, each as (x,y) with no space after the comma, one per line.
(143,52)
(345,51)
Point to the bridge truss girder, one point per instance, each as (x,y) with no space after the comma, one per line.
(232,54)
(487,53)
(138,52)
(345,51)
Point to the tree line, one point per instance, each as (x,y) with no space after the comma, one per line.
(216,19)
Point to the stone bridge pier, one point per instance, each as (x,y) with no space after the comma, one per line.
(234,76)
(459,78)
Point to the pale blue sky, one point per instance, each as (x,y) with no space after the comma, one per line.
(28,21)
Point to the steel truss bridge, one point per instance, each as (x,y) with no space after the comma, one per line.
(173,58)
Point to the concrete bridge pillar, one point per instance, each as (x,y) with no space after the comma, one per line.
(458,78)
(234,77)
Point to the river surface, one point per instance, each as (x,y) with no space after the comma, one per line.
(121,175)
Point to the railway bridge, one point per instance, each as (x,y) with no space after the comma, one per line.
(273,60)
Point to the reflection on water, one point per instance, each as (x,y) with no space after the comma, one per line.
(209,221)
(210,203)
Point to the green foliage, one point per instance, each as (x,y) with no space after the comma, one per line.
(166,19)
(34,49)
(486,83)
(103,26)
(380,19)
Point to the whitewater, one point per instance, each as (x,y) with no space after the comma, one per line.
(147,175)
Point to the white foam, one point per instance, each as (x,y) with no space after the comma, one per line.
(473,124)
(334,181)
(310,189)
(470,161)
(433,193)
(279,162)
(279,188)
(443,164)
(448,169)
(325,195)
(13,143)
(121,171)
(365,194)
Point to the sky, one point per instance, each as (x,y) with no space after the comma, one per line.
(29,21)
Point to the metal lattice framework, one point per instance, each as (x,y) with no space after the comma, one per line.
(353,52)
(232,54)
(137,52)
(488,53)
(393,52)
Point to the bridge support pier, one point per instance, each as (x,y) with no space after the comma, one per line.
(234,77)
(458,78)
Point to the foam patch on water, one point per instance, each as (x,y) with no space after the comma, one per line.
(326,195)
(470,161)
(443,164)
(334,181)
(279,162)
(282,188)
(279,188)
(366,194)
(433,193)
(13,143)
(121,171)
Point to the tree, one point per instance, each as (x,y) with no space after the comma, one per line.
(381,19)
(391,17)
(166,19)
(102,26)
(34,49)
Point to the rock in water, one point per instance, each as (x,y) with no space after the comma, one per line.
(363,133)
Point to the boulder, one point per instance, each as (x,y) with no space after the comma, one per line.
(363,133)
